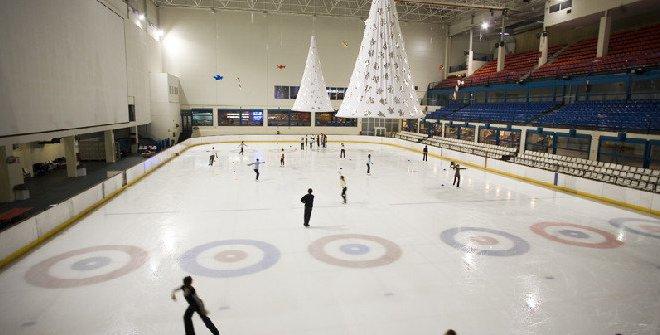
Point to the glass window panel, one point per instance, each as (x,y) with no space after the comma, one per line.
(202,117)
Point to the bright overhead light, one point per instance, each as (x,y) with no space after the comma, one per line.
(141,17)
(484,25)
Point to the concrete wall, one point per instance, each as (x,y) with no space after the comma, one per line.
(580,9)
(246,48)
(165,107)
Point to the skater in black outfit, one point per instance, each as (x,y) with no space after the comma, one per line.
(308,200)
(256,167)
(318,140)
(211,159)
(302,143)
(282,158)
(369,164)
(342,184)
(457,174)
(425,153)
(342,151)
(195,305)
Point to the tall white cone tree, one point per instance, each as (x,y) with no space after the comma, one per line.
(312,96)
(381,84)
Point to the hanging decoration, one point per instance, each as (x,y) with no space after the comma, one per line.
(344,43)
(238,80)
(312,96)
(280,66)
(381,84)
(218,77)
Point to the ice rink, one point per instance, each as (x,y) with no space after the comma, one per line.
(406,255)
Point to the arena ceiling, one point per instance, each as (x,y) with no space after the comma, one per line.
(430,11)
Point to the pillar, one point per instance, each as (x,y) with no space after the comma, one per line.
(523,140)
(70,156)
(543,47)
(6,190)
(501,51)
(442,129)
(445,73)
(135,136)
(26,158)
(593,149)
(313,119)
(216,117)
(109,143)
(265,118)
(470,56)
(476,134)
(604,31)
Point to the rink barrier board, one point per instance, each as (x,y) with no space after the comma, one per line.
(142,170)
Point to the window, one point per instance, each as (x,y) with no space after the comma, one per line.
(202,117)
(301,119)
(291,92)
(329,120)
(630,152)
(240,117)
(336,93)
(509,138)
(567,4)
(539,142)
(654,155)
(467,133)
(573,146)
(554,8)
(488,136)
(131,113)
(278,118)
(452,131)
(409,125)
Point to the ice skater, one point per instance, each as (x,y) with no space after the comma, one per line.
(282,158)
(311,143)
(195,305)
(256,167)
(457,174)
(241,147)
(306,140)
(318,140)
(211,159)
(425,153)
(342,184)
(308,200)
(302,143)
(342,151)
(215,152)
(369,164)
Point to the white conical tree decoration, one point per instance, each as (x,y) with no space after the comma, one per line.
(381,84)
(312,95)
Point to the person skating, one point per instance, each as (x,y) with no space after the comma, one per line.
(282,158)
(241,146)
(195,305)
(425,153)
(369,164)
(308,200)
(306,140)
(342,151)
(256,167)
(211,159)
(342,184)
(457,174)
(318,141)
(302,143)
(311,143)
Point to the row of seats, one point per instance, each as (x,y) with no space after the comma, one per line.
(618,115)
(516,65)
(501,112)
(622,175)
(479,149)
(446,110)
(413,137)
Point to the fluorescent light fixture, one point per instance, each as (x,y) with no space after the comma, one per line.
(484,25)
(141,17)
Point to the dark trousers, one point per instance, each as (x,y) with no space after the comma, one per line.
(457,181)
(308,215)
(302,146)
(257,172)
(241,151)
(188,324)
(343,193)
(342,153)
(425,156)
(211,160)
(368,168)
(282,161)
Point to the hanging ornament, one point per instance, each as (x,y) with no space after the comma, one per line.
(280,66)
(381,84)
(344,43)
(218,77)
(312,96)
(238,80)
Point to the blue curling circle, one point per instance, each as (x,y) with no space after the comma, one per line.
(91,263)
(354,249)
(520,246)
(188,260)
(573,233)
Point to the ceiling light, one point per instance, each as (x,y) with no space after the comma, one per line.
(484,25)
(141,17)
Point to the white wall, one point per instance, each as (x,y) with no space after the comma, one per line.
(580,9)
(62,66)
(165,109)
(199,44)
(137,68)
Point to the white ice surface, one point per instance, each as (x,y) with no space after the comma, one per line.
(554,288)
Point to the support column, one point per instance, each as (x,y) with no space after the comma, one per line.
(501,51)
(543,47)
(476,134)
(442,129)
(604,32)
(470,56)
(265,118)
(6,191)
(313,119)
(135,136)
(593,149)
(109,144)
(523,140)
(70,156)
(26,158)
(445,73)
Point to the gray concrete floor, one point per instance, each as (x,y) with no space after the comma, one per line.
(56,187)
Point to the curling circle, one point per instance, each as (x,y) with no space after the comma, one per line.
(189,260)
(575,231)
(39,274)
(519,246)
(652,230)
(392,252)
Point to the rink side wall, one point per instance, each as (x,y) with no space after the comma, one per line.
(20,239)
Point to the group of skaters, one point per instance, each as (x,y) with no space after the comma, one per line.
(308,141)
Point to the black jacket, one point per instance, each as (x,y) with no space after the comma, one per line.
(308,199)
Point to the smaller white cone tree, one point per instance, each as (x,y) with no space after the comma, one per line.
(381,85)
(312,95)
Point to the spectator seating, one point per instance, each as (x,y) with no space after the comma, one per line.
(516,65)
(413,137)
(480,149)
(501,112)
(622,175)
(450,82)
(627,50)
(447,110)
(618,115)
